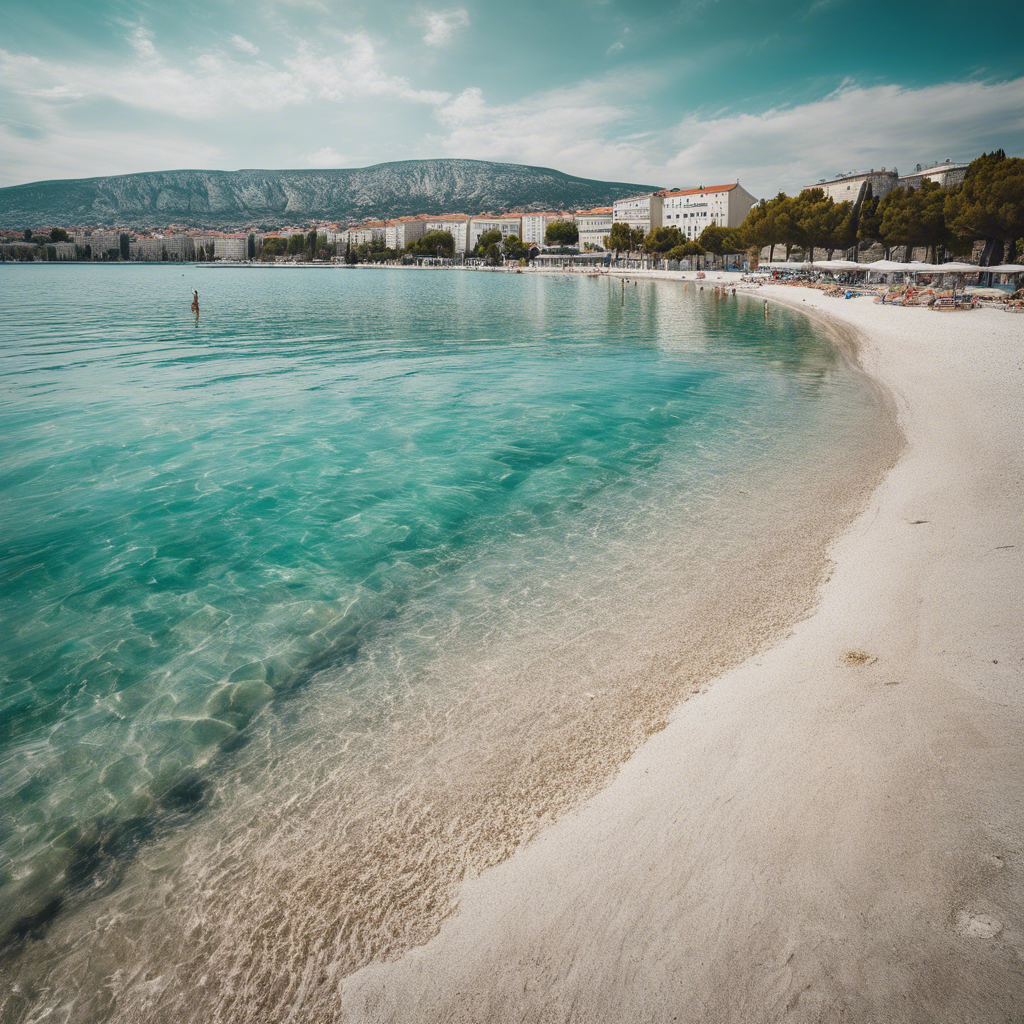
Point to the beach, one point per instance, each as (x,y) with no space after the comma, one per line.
(833,829)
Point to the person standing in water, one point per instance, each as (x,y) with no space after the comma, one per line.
(195,302)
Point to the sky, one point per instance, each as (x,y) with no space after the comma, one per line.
(777,94)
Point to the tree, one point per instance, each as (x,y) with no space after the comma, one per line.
(251,246)
(273,247)
(163,253)
(88,251)
(350,256)
(432,241)
(663,239)
(125,245)
(311,242)
(717,240)
(296,243)
(59,235)
(488,246)
(898,215)
(789,216)
(989,205)
(761,227)
(823,222)
(623,237)
(930,204)
(562,232)
(869,219)
(28,234)
(51,253)
(688,249)
(514,248)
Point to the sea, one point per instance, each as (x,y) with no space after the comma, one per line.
(324,600)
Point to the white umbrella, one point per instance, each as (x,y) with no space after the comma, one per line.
(885,267)
(958,268)
(1003,268)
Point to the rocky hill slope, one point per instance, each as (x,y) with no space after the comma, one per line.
(226,199)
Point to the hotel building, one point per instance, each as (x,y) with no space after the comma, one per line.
(693,209)
(594,226)
(642,212)
(399,233)
(508,224)
(456,224)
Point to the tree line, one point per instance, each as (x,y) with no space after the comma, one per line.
(988,206)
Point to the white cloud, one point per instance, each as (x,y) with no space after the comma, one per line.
(854,126)
(61,151)
(567,129)
(214,83)
(326,157)
(441,26)
(616,47)
(243,44)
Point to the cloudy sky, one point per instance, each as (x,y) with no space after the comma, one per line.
(777,93)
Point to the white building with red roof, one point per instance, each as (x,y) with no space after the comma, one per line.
(693,209)
(594,226)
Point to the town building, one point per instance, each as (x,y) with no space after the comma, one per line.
(535,226)
(231,247)
(643,212)
(693,209)
(456,224)
(399,233)
(852,187)
(947,174)
(100,241)
(154,247)
(366,234)
(508,224)
(202,242)
(594,226)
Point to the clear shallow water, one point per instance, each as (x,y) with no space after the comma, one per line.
(314,606)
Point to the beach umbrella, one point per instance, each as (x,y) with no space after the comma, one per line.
(961,268)
(1003,268)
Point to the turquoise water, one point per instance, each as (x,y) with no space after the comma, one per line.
(356,543)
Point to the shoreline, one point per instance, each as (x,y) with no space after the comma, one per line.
(832,830)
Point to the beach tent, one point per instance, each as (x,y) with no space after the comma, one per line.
(838,265)
(886,267)
(1003,268)
(959,268)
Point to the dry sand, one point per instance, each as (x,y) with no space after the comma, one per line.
(833,830)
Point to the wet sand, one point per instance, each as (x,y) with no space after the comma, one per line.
(832,830)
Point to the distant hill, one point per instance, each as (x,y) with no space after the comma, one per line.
(225,199)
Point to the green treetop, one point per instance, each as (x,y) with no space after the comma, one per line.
(562,232)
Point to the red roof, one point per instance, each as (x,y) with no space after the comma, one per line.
(595,210)
(700,191)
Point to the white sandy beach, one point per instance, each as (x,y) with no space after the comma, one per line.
(833,830)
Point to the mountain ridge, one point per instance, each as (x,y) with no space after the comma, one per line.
(199,198)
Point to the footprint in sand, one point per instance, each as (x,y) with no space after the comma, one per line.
(858,658)
(977,926)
